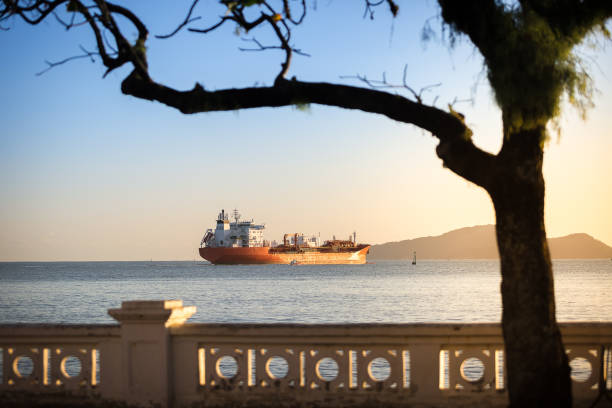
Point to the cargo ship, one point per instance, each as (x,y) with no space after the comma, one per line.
(242,242)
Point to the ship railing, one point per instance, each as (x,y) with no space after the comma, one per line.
(154,358)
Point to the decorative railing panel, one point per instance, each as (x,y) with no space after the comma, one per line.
(52,358)
(382,368)
(23,366)
(153,357)
(278,367)
(473,368)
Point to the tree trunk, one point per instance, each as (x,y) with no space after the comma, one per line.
(536,362)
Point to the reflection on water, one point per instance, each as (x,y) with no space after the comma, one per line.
(397,292)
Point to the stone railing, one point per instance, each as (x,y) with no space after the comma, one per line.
(154,358)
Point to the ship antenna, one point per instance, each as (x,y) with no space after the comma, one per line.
(236,215)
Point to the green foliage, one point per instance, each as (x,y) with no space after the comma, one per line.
(140,48)
(529,55)
(302,107)
(233,4)
(531,69)
(468,132)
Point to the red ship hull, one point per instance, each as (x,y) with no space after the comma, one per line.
(266,255)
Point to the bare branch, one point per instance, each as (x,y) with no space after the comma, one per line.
(126,52)
(417,96)
(275,20)
(142,29)
(38,13)
(238,18)
(384,84)
(261,47)
(288,13)
(187,20)
(457,100)
(369,8)
(248,25)
(71,24)
(284,40)
(86,54)
(109,62)
(107,42)
(370,5)
(62,22)
(209,29)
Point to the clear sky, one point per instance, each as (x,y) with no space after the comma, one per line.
(87,173)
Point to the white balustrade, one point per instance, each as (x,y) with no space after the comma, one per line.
(154,357)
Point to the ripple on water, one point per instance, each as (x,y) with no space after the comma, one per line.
(432,291)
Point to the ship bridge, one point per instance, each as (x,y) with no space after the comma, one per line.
(234,234)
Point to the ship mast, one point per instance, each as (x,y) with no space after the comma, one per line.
(236,215)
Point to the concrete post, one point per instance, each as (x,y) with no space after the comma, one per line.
(425,371)
(146,359)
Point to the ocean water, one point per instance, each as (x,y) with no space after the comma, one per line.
(391,291)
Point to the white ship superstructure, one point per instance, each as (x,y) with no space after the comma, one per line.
(237,234)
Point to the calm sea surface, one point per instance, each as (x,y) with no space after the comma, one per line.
(393,291)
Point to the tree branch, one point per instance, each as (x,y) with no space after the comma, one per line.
(126,52)
(288,13)
(71,24)
(143,33)
(456,148)
(384,84)
(12,7)
(86,54)
(371,4)
(284,40)
(209,29)
(261,47)
(187,20)
(109,62)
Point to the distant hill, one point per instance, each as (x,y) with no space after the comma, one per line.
(479,242)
